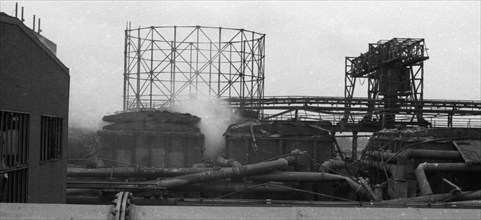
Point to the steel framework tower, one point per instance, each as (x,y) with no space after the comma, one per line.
(167,64)
(394,71)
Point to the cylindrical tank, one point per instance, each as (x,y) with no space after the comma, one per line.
(151,139)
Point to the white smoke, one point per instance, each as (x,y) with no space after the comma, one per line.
(215,119)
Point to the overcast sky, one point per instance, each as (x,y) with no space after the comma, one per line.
(306,42)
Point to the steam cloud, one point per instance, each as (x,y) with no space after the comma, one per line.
(215,119)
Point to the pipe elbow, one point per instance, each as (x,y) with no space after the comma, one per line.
(353,185)
(326,166)
(221,161)
(423,183)
(421,167)
(408,153)
(331,164)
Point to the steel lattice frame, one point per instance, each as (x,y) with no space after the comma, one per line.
(167,64)
(406,52)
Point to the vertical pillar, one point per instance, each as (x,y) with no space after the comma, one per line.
(137,92)
(450,120)
(242,73)
(151,72)
(219,52)
(354,145)
(126,78)
(172,65)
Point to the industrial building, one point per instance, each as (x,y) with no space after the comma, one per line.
(274,157)
(34,98)
(280,148)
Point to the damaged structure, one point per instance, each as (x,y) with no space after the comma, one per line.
(280,153)
(408,163)
(159,154)
(151,139)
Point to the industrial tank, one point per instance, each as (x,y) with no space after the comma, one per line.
(150,139)
(254,141)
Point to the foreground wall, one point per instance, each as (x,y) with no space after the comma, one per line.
(55,211)
(34,95)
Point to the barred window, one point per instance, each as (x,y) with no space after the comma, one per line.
(51,138)
(14,128)
(14,135)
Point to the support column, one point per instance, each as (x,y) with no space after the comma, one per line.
(354,146)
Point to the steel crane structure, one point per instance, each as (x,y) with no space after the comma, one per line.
(394,70)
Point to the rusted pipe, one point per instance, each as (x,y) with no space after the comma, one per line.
(360,190)
(223,173)
(222,187)
(461,196)
(131,172)
(417,154)
(331,164)
(374,164)
(313,177)
(228,187)
(297,177)
(223,162)
(456,188)
(422,168)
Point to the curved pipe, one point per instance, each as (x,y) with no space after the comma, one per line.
(314,177)
(331,164)
(422,168)
(221,161)
(131,172)
(223,173)
(462,196)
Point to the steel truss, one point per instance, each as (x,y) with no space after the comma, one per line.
(440,113)
(394,71)
(167,64)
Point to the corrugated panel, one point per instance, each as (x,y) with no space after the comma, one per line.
(470,150)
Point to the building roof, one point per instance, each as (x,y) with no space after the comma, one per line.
(4,18)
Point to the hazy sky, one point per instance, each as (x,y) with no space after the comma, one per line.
(306,42)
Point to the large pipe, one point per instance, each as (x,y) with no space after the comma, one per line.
(222,187)
(297,177)
(461,196)
(374,164)
(417,154)
(223,173)
(228,187)
(314,177)
(331,164)
(223,162)
(422,168)
(130,172)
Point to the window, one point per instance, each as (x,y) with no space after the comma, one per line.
(14,128)
(14,134)
(51,138)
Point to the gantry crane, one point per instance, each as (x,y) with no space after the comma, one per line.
(394,71)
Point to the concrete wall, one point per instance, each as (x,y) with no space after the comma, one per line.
(34,81)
